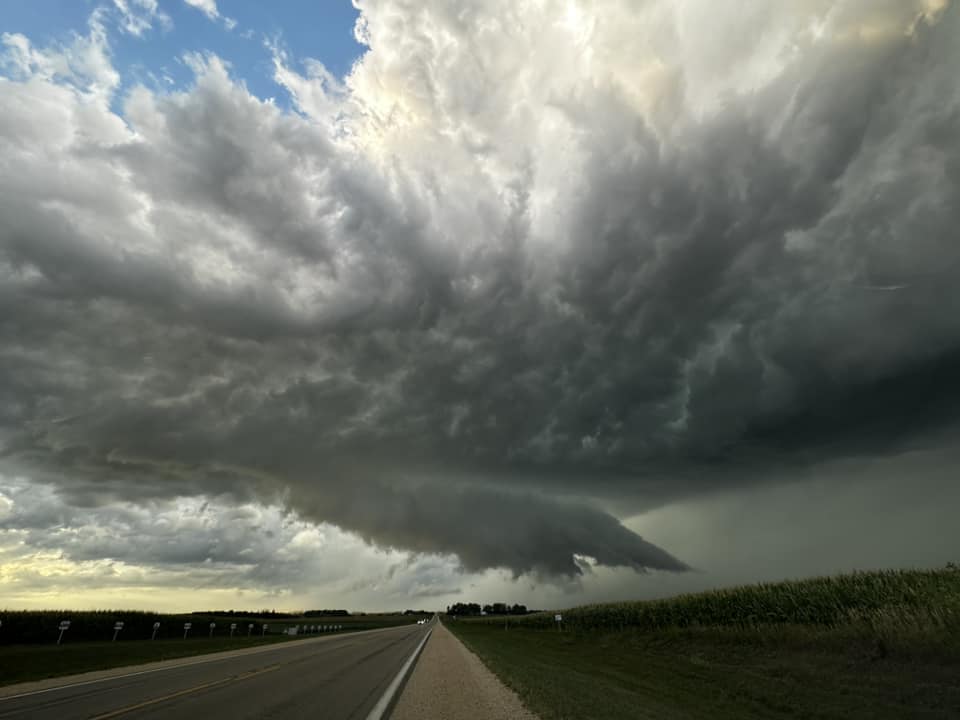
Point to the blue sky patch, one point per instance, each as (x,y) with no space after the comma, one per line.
(148,38)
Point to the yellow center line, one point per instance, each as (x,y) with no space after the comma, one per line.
(180,693)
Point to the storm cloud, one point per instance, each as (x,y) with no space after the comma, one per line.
(527,266)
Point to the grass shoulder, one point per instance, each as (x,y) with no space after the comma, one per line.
(895,661)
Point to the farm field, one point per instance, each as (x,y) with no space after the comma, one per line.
(868,645)
(28,649)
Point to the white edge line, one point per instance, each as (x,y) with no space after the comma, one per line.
(194,661)
(380,709)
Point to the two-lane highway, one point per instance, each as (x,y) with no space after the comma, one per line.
(329,677)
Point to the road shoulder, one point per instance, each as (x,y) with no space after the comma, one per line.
(451,683)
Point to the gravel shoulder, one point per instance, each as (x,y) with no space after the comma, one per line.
(450,683)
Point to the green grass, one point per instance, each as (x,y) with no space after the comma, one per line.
(19,663)
(22,662)
(869,645)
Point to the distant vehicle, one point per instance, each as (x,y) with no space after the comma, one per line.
(421,622)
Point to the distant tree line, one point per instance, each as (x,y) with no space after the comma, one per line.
(247,613)
(474,609)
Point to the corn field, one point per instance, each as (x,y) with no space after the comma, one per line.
(877,598)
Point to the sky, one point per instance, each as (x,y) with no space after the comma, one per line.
(397,304)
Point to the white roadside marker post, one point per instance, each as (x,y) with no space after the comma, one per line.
(117,627)
(64,626)
(156,626)
(212,626)
(186,629)
(233,626)
(559,618)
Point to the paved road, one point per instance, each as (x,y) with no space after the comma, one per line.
(334,677)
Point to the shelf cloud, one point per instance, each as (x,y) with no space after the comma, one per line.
(528,267)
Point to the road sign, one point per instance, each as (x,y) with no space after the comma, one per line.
(212,626)
(64,626)
(233,626)
(558,617)
(117,627)
(156,626)
(249,629)
(186,629)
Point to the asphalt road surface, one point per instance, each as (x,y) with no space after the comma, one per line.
(333,677)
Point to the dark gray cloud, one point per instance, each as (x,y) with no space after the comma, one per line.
(521,531)
(490,292)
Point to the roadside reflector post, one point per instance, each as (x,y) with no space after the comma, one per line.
(249,629)
(156,626)
(117,627)
(212,626)
(559,618)
(64,626)
(233,626)
(186,629)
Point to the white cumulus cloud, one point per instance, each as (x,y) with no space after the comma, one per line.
(207,7)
